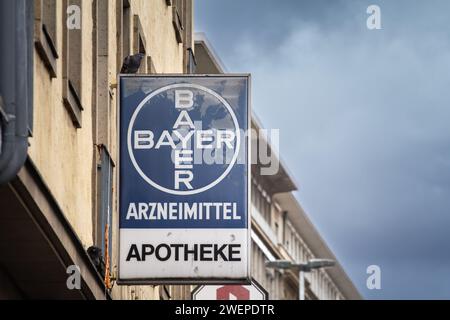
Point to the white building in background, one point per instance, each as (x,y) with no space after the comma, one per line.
(280,227)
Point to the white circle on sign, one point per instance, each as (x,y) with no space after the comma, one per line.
(183,192)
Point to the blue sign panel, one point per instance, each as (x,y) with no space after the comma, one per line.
(183,185)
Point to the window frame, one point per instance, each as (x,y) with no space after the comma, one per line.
(139,42)
(72,69)
(106,206)
(177,19)
(150,66)
(192,62)
(45,42)
(124,42)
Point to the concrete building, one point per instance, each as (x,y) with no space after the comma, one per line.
(63,199)
(58,123)
(281,229)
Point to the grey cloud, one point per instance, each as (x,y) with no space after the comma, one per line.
(365,129)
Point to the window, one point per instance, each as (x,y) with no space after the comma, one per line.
(45,31)
(150,66)
(267,208)
(102,101)
(253,194)
(72,62)
(177,19)
(277,230)
(164,292)
(264,205)
(295,249)
(126,22)
(287,236)
(104,221)
(102,133)
(119,33)
(191,63)
(139,43)
(261,201)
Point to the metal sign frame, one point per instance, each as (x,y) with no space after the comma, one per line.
(182,281)
(253,283)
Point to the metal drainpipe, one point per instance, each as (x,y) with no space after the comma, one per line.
(15,79)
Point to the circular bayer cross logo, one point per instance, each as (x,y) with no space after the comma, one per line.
(183,139)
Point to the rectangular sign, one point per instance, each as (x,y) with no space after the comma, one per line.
(184,179)
(252,292)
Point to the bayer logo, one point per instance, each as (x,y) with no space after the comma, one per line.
(183,139)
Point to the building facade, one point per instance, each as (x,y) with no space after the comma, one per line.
(58,94)
(63,200)
(281,229)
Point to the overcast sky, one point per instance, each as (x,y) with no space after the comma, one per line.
(365,124)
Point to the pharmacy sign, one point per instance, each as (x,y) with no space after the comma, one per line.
(184,179)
